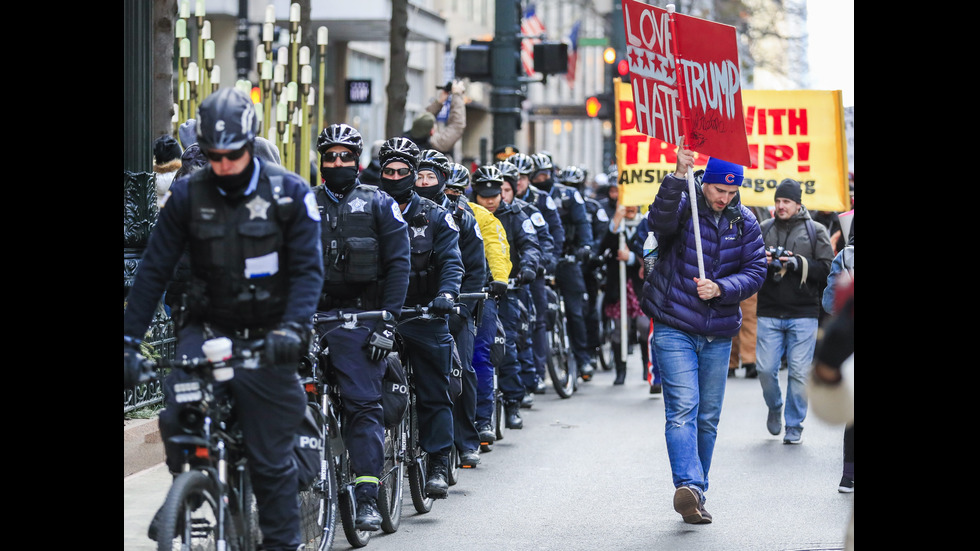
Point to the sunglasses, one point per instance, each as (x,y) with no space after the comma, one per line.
(231,155)
(399,171)
(345,156)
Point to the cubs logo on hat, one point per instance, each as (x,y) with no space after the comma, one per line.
(722,172)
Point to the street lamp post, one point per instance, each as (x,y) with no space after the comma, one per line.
(293,40)
(306,78)
(208,67)
(215,78)
(193,73)
(199,17)
(321,42)
(185,60)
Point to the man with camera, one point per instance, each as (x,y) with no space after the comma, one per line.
(798,254)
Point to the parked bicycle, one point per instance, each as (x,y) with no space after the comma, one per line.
(334,491)
(210,505)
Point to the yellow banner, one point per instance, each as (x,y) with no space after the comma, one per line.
(795,134)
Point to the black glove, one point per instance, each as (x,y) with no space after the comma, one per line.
(284,344)
(497,289)
(382,340)
(133,370)
(527,275)
(442,304)
(792,264)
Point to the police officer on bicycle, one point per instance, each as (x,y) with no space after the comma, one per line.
(577,244)
(252,230)
(366,263)
(434,171)
(525,256)
(434,279)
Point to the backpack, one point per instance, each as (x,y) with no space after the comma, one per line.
(394,391)
(308,446)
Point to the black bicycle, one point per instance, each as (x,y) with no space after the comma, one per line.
(336,461)
(210,505)
(561,366)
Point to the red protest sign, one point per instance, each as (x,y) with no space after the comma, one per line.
(686,81)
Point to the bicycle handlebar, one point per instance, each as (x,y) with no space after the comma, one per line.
(465,296)
(346,317)
(246,358)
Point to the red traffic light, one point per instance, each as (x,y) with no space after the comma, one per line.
(623,67)
(592,106)
(256,94)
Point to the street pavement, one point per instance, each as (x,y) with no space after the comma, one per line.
(591,473)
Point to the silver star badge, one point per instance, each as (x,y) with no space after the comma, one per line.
(258,207)
(357,205)
(418,232)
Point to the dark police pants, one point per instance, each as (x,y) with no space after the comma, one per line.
(525,343)
(540,337)
(359,381)
(430,351)
(509,376)
(569,277)
(270,405)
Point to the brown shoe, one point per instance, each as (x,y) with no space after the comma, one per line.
(705,515)
(688,504)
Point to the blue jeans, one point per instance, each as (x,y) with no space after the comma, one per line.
(694,373)
(797,337)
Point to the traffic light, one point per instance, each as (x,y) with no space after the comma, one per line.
(256,94)
(599,106)
(473,61)
(623,68)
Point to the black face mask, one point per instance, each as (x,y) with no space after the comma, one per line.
(400,189)
(431,192)
(544,185)
(234,184)
(339,179)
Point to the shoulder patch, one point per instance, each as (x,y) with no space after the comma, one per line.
(528,227)
(578,198)
(311,209)
(396,212)
(601,215)
(450,222)
(476,230)
(537,219)
(550,203)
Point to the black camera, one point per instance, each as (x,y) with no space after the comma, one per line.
(776,252)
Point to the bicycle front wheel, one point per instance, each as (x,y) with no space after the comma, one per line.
(189,516)
(562,375)
(318,504)
(391,488)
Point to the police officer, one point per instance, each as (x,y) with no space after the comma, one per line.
(434,279)
(497,253)
(541,199)
(593,273)
(252,231)
(538,299)
(366,259)
(577,251)
(434,171)
(525,256)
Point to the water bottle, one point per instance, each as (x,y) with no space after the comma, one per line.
(651,250)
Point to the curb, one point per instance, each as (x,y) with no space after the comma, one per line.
(142,445)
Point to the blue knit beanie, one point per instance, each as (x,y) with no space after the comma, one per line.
(722,172)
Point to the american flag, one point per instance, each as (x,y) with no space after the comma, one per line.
(530,25)
(573,54)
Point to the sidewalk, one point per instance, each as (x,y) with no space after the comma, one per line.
(145,481)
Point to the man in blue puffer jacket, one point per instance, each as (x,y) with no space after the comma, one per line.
(695,319)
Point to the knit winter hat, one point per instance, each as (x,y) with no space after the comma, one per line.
(789,189)
(166,149)
(722,172)
(423,125)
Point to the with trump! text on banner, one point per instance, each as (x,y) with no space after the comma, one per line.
(686,81)
(795,134)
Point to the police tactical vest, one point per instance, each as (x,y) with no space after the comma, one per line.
(564,197)
(237,253)
(423,278)
(351,247)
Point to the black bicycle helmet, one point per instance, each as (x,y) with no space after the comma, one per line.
(226,120)
(572,175)
(508,170)
(340,134)
(523,162)
(436,161)
(400,149)
(459,177)
(487,173)
(542,162)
